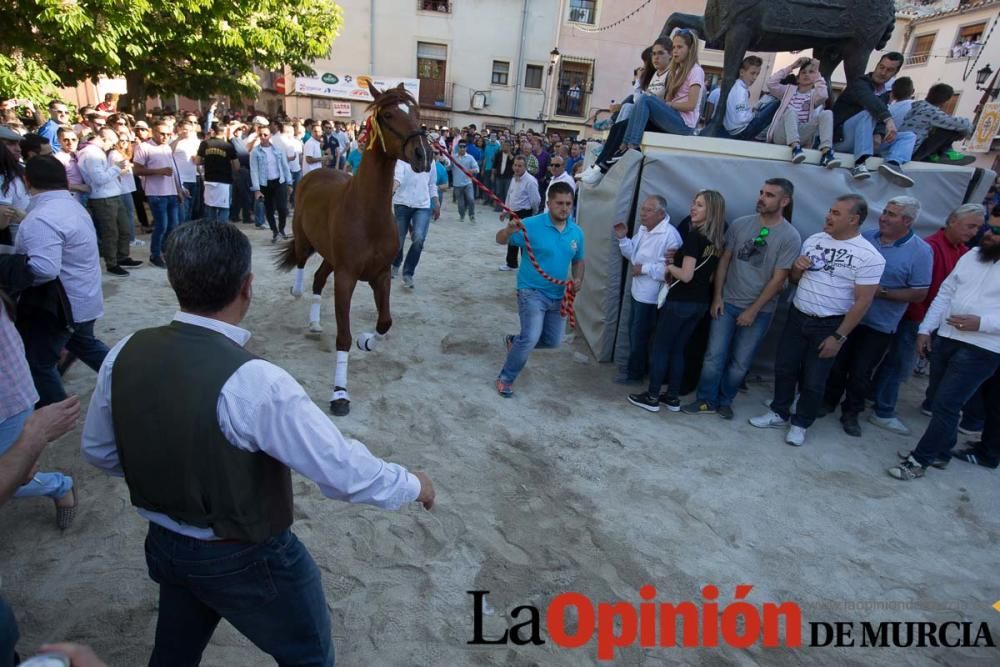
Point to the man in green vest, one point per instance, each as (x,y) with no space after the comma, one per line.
(205,434)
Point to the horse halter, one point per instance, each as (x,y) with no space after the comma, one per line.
(406,139)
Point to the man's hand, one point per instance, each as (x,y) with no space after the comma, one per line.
(258,195)
(637,269)
(165,171)
(964,322)
(215,105)
(717,309)
(803,263)
(829,348)
(923,345)
(669,255)
(78,654)
(54,420)
(436,212)
(890,131)
(574,286)
(427,495)
(614,107)
(746,318)
(185,193)
(621,231)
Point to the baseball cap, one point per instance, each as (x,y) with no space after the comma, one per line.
(7,134)
(260,120)
(141,125)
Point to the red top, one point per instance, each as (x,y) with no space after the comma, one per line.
(946,256)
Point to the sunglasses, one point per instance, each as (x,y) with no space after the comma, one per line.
(555,164)
(995,230)
(761,239)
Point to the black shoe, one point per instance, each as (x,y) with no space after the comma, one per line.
(672,403)
(645,400)
(969,455)
(158,261)
(939,463)
(825,409)
(725,411)
(128,261)
(117,271)
(849,420)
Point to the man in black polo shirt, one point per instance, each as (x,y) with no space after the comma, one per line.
(220,162)
(205,434)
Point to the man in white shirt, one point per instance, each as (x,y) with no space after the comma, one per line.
(185,152)
(647,253)
(105,201)
(312,150)
(557,171)
(58,237)
(270,177)
(414,201)
(522,198)
(208,465)
(837,275)
(966,351)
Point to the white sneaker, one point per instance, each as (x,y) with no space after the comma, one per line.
(591,176)
(769,420)
(796,436)
(889,424)
(138,243)
(504,267)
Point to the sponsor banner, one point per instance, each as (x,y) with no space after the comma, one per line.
(350,86)
(989,127)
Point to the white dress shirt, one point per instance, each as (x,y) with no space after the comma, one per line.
(649,248)
(972,288)
(523,193)
(98,172)
(414,190)
(59,239)
(261,408)
(312,148)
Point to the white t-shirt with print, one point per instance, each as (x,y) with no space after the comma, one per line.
(657,85)
(827,288)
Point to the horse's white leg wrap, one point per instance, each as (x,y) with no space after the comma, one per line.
(367,342)
(299,280)
(314,324)
(340,377)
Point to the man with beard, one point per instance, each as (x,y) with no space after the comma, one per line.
(966,314)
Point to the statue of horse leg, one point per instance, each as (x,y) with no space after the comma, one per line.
(829,58)
(343,289)
(381,287)
(688,21)
(319,281)
(737,40)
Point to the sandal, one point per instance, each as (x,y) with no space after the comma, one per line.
(65,515)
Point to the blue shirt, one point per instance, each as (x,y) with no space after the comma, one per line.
(908,264)
(489,152)
(442,173)
(459,179)
(50,131)
(554,251)
(354,159)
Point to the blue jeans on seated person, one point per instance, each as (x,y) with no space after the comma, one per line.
(51,484)
(650,108)
(858,131)
(731,349)
(760,122)
(270,592)
(417,220)
(541,327)
(960,369)
(675,324)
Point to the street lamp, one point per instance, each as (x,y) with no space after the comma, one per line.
(553,59)
(982,76)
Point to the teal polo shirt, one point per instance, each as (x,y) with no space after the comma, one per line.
(554,250)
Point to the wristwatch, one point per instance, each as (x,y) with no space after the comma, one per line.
(883,291)
(839,338)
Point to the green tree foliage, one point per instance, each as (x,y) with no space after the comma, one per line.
(195,48)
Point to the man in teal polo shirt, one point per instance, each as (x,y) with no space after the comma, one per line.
(557,242)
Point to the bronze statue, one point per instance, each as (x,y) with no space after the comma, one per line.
(836,30)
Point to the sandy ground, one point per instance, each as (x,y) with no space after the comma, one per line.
(564,488)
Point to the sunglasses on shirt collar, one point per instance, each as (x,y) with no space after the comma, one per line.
(761,239)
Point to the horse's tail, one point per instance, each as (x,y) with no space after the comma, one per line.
(286,258)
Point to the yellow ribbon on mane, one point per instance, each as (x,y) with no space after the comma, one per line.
(374,132)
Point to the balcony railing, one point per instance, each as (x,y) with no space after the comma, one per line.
(572,102)
(917,59)
(443,6)
(436,93)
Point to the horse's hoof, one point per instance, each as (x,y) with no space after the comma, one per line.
(315,327)
(297,295)
(340,407)
(367,342)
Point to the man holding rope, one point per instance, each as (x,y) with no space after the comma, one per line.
(556,244)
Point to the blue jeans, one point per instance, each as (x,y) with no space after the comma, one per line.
(217,213)
(664,118)
(960,368)
(270,592)
(730,352)
(541,327)
(129,205)
(465,195)
(8,634)
(676,322)
(51,484)
(798,364)
(417,219)
(896,368)
(858,131)
(761,120)
(42,346)
(296,177)
(166,217)
(259,212)
(641,323)
(187,206)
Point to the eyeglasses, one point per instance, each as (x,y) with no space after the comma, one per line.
(556,164)
(60,111)
(995,230)
(761,239)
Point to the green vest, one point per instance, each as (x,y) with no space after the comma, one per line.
(165,387)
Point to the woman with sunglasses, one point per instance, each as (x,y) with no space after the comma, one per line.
(669,102)
(689,277)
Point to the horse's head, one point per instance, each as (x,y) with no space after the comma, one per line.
(398,117)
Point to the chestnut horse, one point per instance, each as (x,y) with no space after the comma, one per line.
(349,221)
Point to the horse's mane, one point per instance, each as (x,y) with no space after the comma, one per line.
(392,96)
